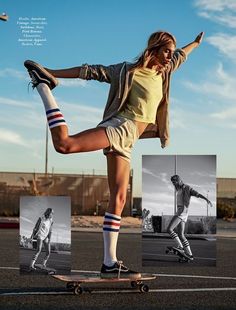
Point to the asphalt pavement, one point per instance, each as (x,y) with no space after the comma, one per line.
(176,287)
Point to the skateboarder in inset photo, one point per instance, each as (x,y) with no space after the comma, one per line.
(137,107)
(42,232)
(184,193)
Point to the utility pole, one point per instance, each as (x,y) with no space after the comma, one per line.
(46,151)
(175,200)
(207,203)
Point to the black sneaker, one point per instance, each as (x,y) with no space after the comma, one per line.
(190,257)
(40,75)
(118,270)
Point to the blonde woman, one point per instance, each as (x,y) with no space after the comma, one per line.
(42,232)
(137,107)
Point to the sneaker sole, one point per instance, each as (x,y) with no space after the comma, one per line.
(34,66)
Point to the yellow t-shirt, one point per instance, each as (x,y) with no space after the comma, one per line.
(144,96)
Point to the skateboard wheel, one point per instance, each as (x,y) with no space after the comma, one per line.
(134,284)
(78,290)
(143,288)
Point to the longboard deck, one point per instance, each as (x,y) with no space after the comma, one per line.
(177,252)
(48,270)
(96,278)
(74,281)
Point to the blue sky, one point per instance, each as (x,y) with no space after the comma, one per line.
(202,111)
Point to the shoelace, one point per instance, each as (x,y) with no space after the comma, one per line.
(120,263)
(33,81)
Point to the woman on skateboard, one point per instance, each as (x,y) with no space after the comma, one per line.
(137,107)
(42,232)
(184,193)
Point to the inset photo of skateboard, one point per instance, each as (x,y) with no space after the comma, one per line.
(45,235)
(179,210)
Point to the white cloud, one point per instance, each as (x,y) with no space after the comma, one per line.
(23,75)
(24,219)
(226,114)
(225,43)
(13,102)
(9,72)
(74,83)
(147,171)
(12,137)
(216,5)
(219,11)
(177,119)
(219,85)
(83,113)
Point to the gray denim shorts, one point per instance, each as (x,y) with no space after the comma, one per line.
(122,133)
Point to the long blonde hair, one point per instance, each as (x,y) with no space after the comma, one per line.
(155,42)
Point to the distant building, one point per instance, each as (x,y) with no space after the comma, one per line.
(89,193)
(226,188)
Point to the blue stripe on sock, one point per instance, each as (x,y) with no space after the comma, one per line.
(52,110)
(110,229)
(59,121)
(112,217)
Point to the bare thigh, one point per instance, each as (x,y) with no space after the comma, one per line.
(86,141)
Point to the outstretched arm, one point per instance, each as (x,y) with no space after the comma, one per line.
(191,46)
(65,73)
(207,200)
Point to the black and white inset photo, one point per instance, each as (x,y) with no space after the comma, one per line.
(179,210)
(45,235)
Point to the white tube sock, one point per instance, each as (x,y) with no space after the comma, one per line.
(111,228)
(54,116)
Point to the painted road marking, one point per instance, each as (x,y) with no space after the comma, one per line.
(156,274)
(168,255)
(207,289)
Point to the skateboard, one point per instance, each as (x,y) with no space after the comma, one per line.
(74,281)
(46,270)
(183,258)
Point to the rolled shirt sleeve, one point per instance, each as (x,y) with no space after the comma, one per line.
(178,58)
(194,193)
(96,72)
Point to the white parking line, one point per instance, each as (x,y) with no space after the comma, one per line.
(156,274)
(168,255)
(125,291)
(193,276)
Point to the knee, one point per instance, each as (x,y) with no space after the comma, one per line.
(170,230)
